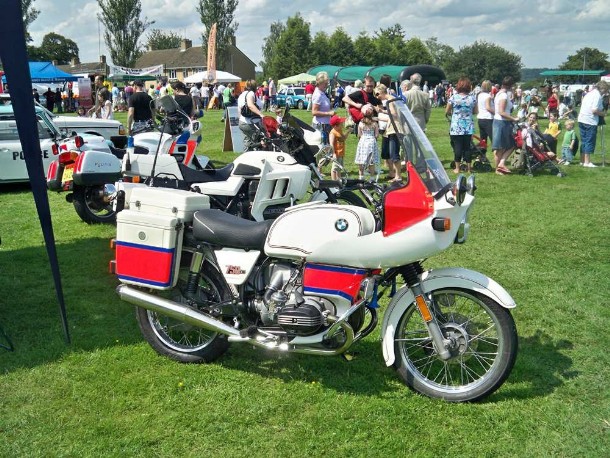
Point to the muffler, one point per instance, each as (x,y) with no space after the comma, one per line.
(174,310)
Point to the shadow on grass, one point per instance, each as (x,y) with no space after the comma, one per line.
(29,310)
(540,369)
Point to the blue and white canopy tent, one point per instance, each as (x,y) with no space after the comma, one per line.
(41,72)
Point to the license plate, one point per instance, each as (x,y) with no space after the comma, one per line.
(67,175)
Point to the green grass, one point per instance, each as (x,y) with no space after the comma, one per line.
(545,239)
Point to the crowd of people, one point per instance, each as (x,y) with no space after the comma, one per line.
(492,108)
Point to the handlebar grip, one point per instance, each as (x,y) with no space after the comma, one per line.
(329,184)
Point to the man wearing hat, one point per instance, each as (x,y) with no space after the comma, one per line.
(140,110)
(337,139)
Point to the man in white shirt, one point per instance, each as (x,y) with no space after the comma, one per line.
(591,112)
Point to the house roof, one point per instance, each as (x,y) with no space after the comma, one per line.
(89,68)
(193,57)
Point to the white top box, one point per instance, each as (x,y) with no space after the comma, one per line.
(169,202)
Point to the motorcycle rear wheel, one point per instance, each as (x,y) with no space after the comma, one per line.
(484,347)
(181,341)
(90,208)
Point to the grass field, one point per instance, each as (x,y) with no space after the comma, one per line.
(545,239)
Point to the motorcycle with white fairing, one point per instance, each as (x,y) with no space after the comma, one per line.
(310,280)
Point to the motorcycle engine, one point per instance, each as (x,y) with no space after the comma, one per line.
(304,319)
(285,305)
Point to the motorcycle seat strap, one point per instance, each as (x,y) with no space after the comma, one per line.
(205,176)
(219,228)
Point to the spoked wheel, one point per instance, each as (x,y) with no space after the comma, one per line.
(91,206)
(483,346)
(181,341)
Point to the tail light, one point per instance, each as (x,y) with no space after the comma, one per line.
(78,141)
(55,149)
(67,157)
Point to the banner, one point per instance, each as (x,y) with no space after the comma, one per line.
(117,72)
(212,54)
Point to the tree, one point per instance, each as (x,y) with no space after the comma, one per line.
(57,47)
(415,53)
(292,49)
(365,50)
(440,52)
(481,60)
(390,44)
(29,15)
(221,13)
(157,39)
(341,49)
(123,29)
(587,59)
(319,50)
(269,44)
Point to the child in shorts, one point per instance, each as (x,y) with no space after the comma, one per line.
(567,146)
(337,140)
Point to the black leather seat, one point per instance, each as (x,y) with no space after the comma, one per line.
(220,228)
(206,175)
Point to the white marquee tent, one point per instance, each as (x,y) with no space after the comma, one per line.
(221,77)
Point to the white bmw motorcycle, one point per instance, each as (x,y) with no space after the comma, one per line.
(309,280)
(257,185)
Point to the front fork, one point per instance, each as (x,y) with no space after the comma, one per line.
(411,273)
(434,330)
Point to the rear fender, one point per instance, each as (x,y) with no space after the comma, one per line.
(453,277)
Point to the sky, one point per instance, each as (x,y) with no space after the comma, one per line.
(544,33)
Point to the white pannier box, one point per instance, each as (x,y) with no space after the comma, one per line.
(147,249)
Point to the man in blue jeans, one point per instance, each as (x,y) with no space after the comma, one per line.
(591,112)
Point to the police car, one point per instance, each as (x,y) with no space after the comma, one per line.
(12,158)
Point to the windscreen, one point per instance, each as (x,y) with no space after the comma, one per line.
(416,147)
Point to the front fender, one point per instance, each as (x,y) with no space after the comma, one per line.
(452,277)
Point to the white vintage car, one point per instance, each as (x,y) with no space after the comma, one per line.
(12,159)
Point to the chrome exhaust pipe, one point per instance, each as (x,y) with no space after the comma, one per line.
(193,317)
(174,310)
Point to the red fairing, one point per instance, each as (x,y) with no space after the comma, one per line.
(339,281)
(408,205)
(144,264)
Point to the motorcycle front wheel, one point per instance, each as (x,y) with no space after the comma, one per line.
(181,341)
(91,207)
(483,346)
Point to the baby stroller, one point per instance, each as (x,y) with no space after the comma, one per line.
(529,159)
(478,155)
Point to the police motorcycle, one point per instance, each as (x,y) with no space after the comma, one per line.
(87,167)
(257,185)
(309,280)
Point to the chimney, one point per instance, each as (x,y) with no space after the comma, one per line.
(102,59)
(74,62)
(54,62)
(185,44)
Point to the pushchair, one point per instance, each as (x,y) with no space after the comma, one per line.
(530,159)
(478,155)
